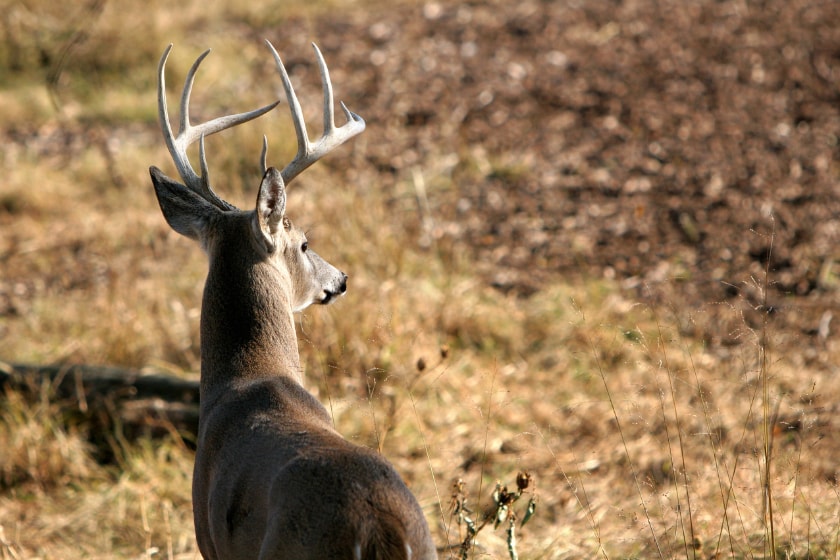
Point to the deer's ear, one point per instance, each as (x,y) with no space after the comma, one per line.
(271,208)
(185,212)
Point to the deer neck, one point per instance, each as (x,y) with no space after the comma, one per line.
(247,325)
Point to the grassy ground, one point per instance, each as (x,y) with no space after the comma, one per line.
(643,441)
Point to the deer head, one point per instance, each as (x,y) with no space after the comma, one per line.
(193,209)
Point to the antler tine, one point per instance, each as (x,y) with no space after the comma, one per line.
(326,85)
(308,152)
(263,163)
(188,134)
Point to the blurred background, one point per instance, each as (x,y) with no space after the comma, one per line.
(594,241)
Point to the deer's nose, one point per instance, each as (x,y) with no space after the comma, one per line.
(343,286)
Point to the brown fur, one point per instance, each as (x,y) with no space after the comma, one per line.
(273,479)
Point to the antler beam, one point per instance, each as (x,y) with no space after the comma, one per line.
(310,152)
(188,134)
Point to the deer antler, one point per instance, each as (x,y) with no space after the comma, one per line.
(188,134)
(309,152)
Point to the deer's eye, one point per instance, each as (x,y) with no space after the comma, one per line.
(304,247)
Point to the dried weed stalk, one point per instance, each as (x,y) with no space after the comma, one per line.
(502,511)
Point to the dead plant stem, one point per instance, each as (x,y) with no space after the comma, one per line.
(486,436)
(688,544)
(602,374)
(769,420)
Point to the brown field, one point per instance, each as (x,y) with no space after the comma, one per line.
(594,241)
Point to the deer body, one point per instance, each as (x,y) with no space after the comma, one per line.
(273,479)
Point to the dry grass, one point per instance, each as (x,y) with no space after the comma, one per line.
(642,442)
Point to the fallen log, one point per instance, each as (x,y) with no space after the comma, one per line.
(111,404)
(79,380)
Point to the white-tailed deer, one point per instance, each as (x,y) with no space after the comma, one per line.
(273,479)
